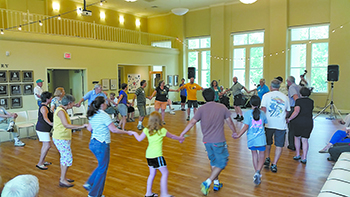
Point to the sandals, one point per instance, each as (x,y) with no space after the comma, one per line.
(42,167)
(297,157)
(323,151)
(47,163)
(65,185)
(153,195)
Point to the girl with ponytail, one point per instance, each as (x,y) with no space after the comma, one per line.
(254,121)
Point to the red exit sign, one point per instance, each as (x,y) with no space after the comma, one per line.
(67,56)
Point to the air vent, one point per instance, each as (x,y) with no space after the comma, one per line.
(154,6)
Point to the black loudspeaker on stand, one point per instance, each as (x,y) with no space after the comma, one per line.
(332,76)
(191,72)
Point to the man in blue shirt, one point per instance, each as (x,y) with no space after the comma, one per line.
(261,89)
(91,95)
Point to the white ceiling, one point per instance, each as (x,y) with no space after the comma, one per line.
(143,8)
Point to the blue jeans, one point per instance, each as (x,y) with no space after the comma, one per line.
(98,177)
(339,137)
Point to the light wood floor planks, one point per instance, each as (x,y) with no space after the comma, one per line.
(187,163)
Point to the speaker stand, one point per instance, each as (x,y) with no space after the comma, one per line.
(333,110)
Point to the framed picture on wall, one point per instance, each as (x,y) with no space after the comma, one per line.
(105,84)
(15,76)
(114,83)
(28,89)
(4,102)
(3,90)
(3,76)
(27,76)
(15,89)
(16,102)
(133,82)
(176,80)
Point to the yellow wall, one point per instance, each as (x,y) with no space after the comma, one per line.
(274,17)
(99,58)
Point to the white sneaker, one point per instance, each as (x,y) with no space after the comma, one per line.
(19,143)
(11,126)
(139,127)
(172,112)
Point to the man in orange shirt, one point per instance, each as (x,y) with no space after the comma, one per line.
(192,89)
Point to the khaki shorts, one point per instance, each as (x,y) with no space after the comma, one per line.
(159,104)
(142,110)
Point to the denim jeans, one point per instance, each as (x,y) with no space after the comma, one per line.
(98,177)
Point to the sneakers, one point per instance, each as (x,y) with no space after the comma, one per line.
(132,120)
(217,187)
(239,119)
(172,112)
(303,161)
(236,117)
(267,162)
(273,168)
(140,127)
(87,187)
(188,118)
(183,109)
(19,143)
(205,188)
(257,178)
(297,157)
(11,126)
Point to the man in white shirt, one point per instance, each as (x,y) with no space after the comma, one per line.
(275,104)
(38,90)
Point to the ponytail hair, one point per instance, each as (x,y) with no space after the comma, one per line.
(95,106)
(255,102)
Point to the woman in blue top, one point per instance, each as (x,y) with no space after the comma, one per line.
(43,128)
(100,123)
(215,86)
(254,121)
(122,104)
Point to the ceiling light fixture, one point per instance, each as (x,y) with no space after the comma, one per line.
(179,11)
(40,23)
(248,1)
(2,31)
(20,27)
(59,17)
(130,0)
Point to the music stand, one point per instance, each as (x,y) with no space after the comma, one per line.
(333,109)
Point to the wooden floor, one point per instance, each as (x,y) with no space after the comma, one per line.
(187,163)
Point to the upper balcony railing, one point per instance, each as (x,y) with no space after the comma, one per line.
(11,20)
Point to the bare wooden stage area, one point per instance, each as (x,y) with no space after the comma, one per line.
(187,163)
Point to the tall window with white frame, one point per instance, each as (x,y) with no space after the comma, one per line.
(309,51)
(198,56)
(248,57)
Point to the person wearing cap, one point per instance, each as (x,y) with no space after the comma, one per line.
(183,95)
(91,95)
(38,90)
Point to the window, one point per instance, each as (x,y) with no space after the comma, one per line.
(162,44)
(309,51)
(198,55)
(248,58)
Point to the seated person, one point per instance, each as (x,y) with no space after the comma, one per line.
(339,136)
(131,113)
(7,122)
(112,108)
(337,149)
(21,186)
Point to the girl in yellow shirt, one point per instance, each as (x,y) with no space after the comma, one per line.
(154,154)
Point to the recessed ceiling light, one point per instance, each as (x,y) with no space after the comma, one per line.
(130,0)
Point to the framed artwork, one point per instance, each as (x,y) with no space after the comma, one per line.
(15,76)
(27,76)
(28,89)
(3,90)
(176,80)
(133,82)
(3,76)
(4,102)
(170,80)
(105,84)
(16,102)
(114,83)
(15,89)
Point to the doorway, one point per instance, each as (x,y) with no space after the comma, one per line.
(72,80)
